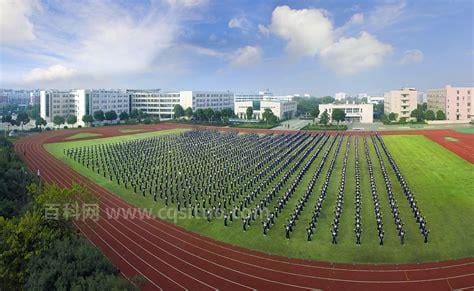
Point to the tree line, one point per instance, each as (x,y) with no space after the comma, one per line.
(38,252)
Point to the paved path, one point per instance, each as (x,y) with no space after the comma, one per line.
(294,124)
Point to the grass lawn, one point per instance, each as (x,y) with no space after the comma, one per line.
(442,183)
(131,130)
(465,129)
(258,125)
(83,135)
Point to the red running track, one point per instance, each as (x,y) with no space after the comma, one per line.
(171,258)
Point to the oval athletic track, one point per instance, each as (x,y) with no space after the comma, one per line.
(172,258)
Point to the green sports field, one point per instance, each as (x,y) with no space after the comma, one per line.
(443,184)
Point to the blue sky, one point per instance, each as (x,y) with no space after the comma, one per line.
(309,46)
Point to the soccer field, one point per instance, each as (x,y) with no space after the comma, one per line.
(441,182)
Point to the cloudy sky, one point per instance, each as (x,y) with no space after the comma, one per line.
(308,46)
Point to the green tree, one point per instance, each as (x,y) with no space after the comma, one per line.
(227,113)
(249,112)
(71,119)
(199,114)
(178,111)
(58,120)
(392,116)
(417,113)
(20,240)
(99,115)
(440,115)
(134,113)
(87,119)
(40,122)
(384,118)
(188,112)
(123,116)
(110,115)
(403,120)
(338,115)
(430,115)
(209,114)
(315,112)
(7,118)
(22,118)
(72,263)
(33,111)
(324,119)
(326,100)
(269,117)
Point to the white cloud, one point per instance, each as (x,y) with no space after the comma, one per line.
(247,55)
(357,18)
(263,30)
(412,57)
(15,25)
(307,31)
(52,73)
(109,41)
(355,54)
(387,14)
(186,3)
(240,22)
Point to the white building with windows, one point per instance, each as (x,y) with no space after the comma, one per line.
(401,102)
(261,95)
(217,100)
(81,102)
(362,113)
(154,102)
(282,109)
(57,103)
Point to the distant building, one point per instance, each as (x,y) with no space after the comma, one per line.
(81,102)
(255,96)
(401,102)
(154,102)
(162,103)
(341,96)
(422,97)
(57,103)
(375,99)
(282,109)
(362,96)
(34,97)
(455,102)
(362,113)
(14,97)
(217,100)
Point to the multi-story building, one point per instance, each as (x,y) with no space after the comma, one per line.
(455,102)
(282,109)
(340,96)
(16,97)
(239,97)
(401,102)
(362,113)
(81,102)
(217,100)
(34,97)
(154,102)
(57,103)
